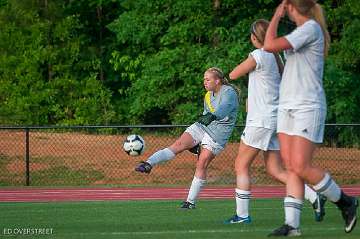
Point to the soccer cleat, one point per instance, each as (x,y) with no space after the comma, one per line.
(319,209)
(236,219)
(285,231)
(350,215)
(187,205)
(144,167)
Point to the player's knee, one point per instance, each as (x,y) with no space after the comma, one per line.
(299,168)
(177,147)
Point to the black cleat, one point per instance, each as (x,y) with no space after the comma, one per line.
(285,231)
(144,167)
(319,209)
(187,205)
(350,215)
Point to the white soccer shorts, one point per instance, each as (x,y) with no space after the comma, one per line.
(200,136)
(260,138)
(307,123)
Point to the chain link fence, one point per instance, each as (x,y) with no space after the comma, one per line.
(93,155)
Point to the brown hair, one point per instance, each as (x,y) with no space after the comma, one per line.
(258,29)
(313,10)
(223,79)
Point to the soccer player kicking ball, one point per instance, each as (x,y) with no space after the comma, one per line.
(211,131)
(265,70)
(302,111)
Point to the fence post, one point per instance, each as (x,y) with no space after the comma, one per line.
(27,156)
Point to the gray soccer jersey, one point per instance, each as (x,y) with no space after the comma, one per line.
(226,106)
(301,86)
(263,91)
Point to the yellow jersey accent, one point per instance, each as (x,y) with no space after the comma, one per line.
(208,102)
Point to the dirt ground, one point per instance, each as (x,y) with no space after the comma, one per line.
(103,156)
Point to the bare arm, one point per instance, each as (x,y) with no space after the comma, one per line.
(273,43)
(245,67)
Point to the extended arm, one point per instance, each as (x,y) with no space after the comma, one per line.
(245,67)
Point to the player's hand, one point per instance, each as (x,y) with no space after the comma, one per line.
(206,119)
(281,10)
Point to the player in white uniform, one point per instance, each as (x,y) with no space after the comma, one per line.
(211,131)
(302,110)
(265,71)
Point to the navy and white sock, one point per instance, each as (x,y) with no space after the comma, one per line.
(328,188)
(293,207)
(242,202)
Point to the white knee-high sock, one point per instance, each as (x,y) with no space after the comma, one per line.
(160,156)
(310,194)
(195,188)
(328,188)
(293,207)
(242,198)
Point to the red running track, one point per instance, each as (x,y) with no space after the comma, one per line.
(105,194)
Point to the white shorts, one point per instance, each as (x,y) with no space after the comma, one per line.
(260,138)
(307,123)
(200,136)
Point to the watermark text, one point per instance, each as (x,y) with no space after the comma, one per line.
(27,231)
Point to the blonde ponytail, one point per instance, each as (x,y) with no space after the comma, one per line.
(318,15)
(279,63)
(258,29)
(313,10)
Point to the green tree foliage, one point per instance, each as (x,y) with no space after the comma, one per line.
(140,61)
(176,41)
(342,75)
(45,77)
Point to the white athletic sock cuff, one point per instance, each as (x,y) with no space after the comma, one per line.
(293,202)
(324,183)
(242,191)
(242,194)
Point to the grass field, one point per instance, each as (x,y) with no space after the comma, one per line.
(160,219)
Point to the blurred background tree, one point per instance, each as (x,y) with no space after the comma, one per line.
(79,62)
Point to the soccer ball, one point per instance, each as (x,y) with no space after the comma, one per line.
(134,145)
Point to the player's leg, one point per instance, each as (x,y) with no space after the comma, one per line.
(324,184)
(273,164)
(302,157)
(187,140)
(243,161)
(209,150)
(275,168)
(312,131)
(199,180)
(294,191)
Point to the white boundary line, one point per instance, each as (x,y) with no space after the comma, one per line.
(237,230)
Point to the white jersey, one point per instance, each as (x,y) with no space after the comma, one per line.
(263,91)
(301,86)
